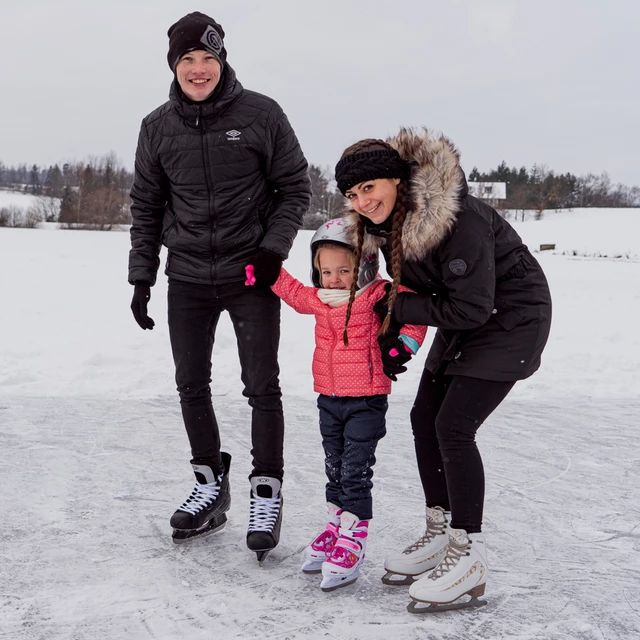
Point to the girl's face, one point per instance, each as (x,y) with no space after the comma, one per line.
(374,199)
(336,268)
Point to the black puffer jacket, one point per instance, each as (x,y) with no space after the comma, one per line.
(476,281)
(214,182)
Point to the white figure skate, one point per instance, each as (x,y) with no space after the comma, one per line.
(423,555)
(462,572)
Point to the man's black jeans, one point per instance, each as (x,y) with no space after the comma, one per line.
(194,311)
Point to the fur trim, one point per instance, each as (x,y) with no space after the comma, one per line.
(435,185)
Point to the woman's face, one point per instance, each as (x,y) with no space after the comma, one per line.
(374,199)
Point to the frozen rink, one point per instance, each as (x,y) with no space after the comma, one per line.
(95,461)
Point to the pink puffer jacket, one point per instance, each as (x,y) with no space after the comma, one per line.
(338,370)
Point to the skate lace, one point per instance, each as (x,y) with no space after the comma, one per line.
(451,559)
(433,529)
(263,513)
(201,496)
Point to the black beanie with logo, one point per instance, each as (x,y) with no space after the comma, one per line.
(195,31)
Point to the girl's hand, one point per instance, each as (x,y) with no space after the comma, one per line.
(395,354)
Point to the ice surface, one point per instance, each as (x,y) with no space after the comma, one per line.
(95,460)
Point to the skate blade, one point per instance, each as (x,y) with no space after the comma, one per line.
(262,556)
(180,536)
(312,567)
(331,583)
(425,607)
(399,580)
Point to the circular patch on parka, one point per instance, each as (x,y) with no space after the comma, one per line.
(458,267)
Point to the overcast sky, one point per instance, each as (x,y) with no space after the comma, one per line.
(553,82)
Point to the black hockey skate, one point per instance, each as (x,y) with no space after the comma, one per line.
(265,516)
(203,512)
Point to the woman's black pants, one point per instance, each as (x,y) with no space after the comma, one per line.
(447,412)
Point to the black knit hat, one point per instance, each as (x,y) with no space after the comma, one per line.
(370,165)
(195,31)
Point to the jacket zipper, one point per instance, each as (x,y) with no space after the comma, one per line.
(210,191)
(334,345)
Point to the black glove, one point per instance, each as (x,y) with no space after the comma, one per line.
(141,296)
(266,267)
(394,355)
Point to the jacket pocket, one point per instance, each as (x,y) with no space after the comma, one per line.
(507,317)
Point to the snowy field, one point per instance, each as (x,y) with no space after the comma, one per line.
(95,460)
(16,199)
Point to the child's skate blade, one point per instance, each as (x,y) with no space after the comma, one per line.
(180,536)
(398,579)
(262,556)
(331,583)
(312,566)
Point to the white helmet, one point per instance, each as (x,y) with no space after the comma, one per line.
(334,232)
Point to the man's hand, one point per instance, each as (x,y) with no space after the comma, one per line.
(395,354)
(141,297)
(266,268)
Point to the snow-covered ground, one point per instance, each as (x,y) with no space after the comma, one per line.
(16,199)
(95,460)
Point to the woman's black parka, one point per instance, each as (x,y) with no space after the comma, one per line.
(475,280)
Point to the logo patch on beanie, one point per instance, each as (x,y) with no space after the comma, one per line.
(211,38)
(458,267)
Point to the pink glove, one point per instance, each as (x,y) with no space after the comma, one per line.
(251,279)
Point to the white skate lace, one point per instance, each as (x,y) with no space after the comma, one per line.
(454,553)
(263,513)
(201,496)
(433,529)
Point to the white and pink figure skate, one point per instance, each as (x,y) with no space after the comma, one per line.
(319,550)
(343,564)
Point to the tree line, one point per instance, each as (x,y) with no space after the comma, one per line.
(95,193)
(539,188)
(90,194)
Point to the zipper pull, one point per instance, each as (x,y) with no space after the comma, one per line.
(198,116)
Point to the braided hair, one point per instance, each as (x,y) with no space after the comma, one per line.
(399,213)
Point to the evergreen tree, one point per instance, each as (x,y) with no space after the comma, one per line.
(68,206)
(34,180)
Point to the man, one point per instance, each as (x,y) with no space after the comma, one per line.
(221,181)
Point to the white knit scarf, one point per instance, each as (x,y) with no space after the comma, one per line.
(338,297)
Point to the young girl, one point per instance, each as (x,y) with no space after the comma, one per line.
(353,385)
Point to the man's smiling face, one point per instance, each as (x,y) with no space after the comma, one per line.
(198,73)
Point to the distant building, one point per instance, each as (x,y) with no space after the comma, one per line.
(489,191)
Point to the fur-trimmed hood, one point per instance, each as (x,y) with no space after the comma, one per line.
(436,185)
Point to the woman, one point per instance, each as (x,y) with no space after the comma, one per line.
(479,285)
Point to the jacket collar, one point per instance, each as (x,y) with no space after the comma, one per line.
(437,183)
(227,91)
